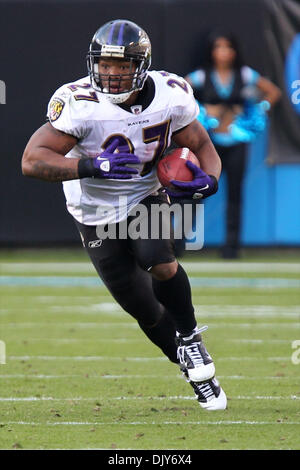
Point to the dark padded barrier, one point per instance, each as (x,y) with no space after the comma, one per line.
(43,45)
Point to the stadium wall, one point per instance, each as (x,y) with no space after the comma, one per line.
(43,45)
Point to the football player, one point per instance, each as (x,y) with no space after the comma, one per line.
(105,135)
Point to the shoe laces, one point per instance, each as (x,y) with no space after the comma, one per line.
(192,350)
(205,389)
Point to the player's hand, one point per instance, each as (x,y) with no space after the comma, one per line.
(109,165)
(113,165)
(200,187)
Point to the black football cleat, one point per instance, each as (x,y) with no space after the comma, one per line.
(194,357)
(209,394)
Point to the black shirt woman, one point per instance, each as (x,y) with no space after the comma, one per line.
(224,87)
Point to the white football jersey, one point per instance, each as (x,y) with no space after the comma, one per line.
(77,109)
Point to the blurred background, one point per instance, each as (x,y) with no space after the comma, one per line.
(43,45)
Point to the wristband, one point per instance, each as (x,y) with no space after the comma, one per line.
(86,168)
(215,186)
(207,191)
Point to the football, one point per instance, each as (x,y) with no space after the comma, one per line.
(173,167)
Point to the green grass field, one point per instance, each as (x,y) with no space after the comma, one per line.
(79,373)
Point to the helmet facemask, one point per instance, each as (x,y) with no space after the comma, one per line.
(112,86)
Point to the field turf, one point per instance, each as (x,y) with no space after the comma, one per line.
(79,373)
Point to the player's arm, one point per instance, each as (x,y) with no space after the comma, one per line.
(44,158)
(195,137)
(205,182)
(44,155)
(270,91)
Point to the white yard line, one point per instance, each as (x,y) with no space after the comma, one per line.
(260,341)
(113,307)
(209,311)
(196,282)
(240,266)
(100,324)
(48,267)
(86,358)
(142,340)
(146,423)
(139,376)
(262,299)
(83,325)
(202,267)
(137,359)
(54,299)
(85,340)
(177,397)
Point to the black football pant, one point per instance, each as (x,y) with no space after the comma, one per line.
(233,162)
(123,266)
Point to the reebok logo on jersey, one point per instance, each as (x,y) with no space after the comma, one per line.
(95,244)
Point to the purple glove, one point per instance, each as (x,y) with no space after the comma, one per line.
(202,186)
(109,165)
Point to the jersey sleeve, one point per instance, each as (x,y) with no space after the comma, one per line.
(61,113)
(249,75)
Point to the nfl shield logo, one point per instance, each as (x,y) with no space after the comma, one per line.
(136,109)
